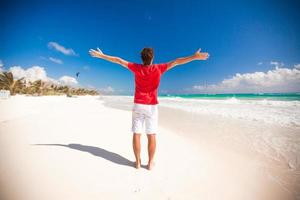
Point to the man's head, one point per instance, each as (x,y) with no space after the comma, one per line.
(147,55)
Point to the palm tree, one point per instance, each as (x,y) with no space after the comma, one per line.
(38,85)
(7,82)
(19,86)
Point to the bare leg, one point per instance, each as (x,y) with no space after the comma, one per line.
(151,149)
(136,143)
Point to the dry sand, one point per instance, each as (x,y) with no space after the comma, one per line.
(76,148)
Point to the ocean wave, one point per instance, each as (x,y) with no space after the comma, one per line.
(284,113)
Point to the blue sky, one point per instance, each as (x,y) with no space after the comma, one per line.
(241,37)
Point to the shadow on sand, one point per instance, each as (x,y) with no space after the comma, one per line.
(96,151)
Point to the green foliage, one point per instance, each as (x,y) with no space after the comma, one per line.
(7,82)
(39,87)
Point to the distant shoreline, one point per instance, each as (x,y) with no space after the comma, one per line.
(254,96)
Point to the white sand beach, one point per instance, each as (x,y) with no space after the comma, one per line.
(54,147)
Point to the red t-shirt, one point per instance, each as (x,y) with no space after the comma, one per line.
(147,78)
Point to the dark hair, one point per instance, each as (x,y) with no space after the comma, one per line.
(147,55)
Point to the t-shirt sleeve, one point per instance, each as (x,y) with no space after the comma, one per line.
(132,67)
(162,67)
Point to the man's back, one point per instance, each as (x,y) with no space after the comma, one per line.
(147,79)
(145,112)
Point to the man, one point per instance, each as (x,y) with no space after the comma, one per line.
(147,79)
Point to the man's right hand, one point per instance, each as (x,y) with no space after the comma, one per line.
(96,53)
(201,56)
(99,54)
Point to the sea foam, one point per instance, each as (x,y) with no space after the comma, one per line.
(283,113)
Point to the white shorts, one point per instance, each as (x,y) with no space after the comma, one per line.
(144,118)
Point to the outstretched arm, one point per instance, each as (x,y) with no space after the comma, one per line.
(99,54)
(179,61)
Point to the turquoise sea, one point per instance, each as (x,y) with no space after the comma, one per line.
(280,109)
(250,96)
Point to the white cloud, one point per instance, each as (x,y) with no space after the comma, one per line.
(1,66)
(53,81)
(277,64)
(68,80)
(62,49)
(91,87)
(86,67)
(39,73)
(55,60)
(280,79)
(260,63)
(31,74)
(107,90)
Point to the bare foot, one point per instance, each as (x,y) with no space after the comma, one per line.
(138,164)
(150,165)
